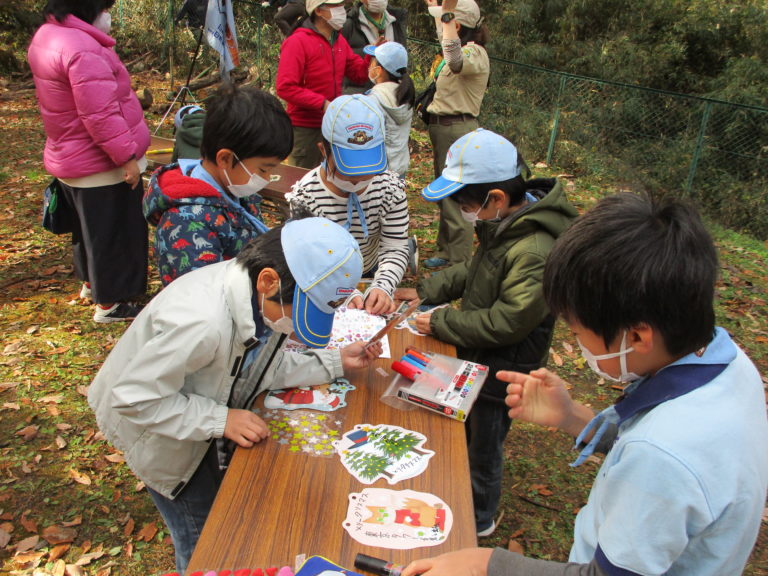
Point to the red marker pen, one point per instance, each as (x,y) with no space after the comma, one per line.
(407,370)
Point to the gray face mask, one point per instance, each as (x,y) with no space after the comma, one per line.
(284,324)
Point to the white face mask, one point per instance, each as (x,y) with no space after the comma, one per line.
(377,6)
(474,217)
(338,17)
(103,22)
(371,76)
(255,183)
(284,324)
(343,185)
(591,359)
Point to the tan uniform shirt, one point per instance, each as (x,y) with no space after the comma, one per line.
(463,93)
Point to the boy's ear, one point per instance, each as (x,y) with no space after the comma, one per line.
(268,282)
(225,158)
(643,338)
(498,198)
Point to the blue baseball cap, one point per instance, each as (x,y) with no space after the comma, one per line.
(354,125)
(184,111)
(476,158)
(326,263)
(391,56)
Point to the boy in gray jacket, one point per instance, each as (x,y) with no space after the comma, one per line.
(187,370)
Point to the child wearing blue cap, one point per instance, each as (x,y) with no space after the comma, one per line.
(354,188)
(206,209)
(503,321)
(395,93)
(187,370)
(682,487)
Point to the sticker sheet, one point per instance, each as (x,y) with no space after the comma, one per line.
(397,519)
(349,326)
(324,397)
(303,431)
(410,322)
(371,452)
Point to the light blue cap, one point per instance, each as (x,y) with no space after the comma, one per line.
(391,56)
(476,158)
(354,125)
(326,263)
(184,111)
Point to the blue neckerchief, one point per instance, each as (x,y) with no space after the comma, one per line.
(353,203)
(682,376)
(194,169)
(530,197)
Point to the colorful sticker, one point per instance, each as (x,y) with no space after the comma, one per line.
(349,326)
(302,431)
(371,452)
(397,519)
(325,397)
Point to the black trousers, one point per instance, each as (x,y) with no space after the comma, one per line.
(109,244)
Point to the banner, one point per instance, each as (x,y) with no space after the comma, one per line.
(221,34)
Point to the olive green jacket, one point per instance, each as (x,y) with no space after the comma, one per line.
(503,321)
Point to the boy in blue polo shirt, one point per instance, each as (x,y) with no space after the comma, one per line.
(683,484)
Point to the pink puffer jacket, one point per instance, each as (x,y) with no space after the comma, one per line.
(92,117)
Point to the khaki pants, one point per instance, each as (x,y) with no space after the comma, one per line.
(454,234)
(305,153)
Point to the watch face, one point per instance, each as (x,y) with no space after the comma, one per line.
(447,17)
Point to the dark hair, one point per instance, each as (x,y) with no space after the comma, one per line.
(514,188)
(406,91)
(632,259)
(248,121)
(266,251)
(86,10)
(479,35)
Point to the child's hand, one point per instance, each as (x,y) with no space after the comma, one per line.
(356,355)
(422,323)
(244,428)
(466,562)
(406,294)
(378,302)
(355,303)
(542,397)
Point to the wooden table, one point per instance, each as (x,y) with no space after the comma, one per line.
(275,504)
(284,176)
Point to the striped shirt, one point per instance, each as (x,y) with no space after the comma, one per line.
(386,215)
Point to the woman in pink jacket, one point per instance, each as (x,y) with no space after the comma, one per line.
(313,62)
(96,140)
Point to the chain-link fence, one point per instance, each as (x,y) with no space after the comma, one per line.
(712,151)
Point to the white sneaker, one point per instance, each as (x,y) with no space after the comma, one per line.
(85,291)
(488,531)
(119,312)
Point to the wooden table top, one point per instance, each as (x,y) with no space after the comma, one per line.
(275,504)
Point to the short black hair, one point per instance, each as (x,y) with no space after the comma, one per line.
(635,259)
(473,194)
(86,10)
(248,121)
(266,251)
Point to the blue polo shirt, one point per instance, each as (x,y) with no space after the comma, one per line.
(684,486)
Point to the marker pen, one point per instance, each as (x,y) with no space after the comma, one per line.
(377,566)
(413,362)
(423,356)
(406,369)
(415,359)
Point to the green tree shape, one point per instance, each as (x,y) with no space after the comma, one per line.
(368,465)
(395,443)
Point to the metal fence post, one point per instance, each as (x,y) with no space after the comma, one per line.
(555,121)
(699,146)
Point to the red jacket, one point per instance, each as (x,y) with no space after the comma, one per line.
(311,71)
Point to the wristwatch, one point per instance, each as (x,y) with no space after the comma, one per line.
(447,17)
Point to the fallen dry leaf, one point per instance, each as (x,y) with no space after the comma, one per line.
(29,524)
(60,443)
(27,544)
(63,426)
(128,528)
(59,567)
(82,389)
(79,477)
(52,399)
(58,552)
(556,358)
(11,406)
(28,432)
(28,560)
(115,457)
(76,521)
(147,532)
(5,537)
(74,570)
(8,385)
(55,534)
(86,559)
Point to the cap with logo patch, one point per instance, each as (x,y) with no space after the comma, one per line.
(354,126)
(476,158)
(326,263)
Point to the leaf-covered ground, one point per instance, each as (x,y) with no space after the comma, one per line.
(68,503)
